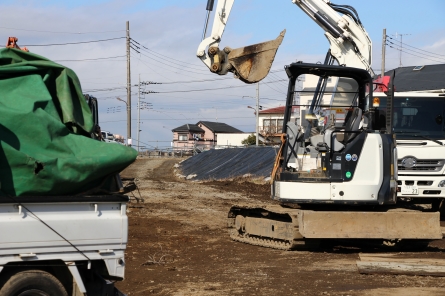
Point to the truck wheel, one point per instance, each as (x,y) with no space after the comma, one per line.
(33,283)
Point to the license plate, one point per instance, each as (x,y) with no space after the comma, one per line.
(411,190)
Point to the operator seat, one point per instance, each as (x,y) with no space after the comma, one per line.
(294,135)
(352,124)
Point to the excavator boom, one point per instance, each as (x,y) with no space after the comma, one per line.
(349,42)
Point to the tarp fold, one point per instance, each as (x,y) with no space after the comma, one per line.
(45,128)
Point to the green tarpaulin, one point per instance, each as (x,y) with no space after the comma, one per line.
(45,128)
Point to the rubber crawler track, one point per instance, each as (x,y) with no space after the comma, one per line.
(264,242)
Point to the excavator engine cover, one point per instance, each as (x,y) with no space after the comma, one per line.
(250,63)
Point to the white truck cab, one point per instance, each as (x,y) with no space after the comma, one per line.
(108,137)
(418,121)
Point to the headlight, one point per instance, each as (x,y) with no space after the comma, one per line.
(441,183)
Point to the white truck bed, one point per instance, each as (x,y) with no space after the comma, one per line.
(96,225)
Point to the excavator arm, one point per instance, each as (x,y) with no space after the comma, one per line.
(349,42)
(350,45)
(250,63)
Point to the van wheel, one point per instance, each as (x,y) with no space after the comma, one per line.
(33,283)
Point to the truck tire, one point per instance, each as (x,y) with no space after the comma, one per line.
(33,283)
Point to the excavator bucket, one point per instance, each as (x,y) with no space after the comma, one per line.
(252,63)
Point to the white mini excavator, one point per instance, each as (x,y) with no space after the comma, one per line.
(337,179)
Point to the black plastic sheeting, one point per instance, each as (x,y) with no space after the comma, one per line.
(218,164)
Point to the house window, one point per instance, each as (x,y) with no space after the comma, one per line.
(267,123)
(183,137)
(279,125)
(272,126)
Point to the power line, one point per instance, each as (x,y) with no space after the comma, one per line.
(412,50)
(415,47)
(164,63)
(194,81)
(172,82)
(162,54)
(166,119)
(277,77)
(90,59)
(158,55)
(205,89)
(151,68)
(100,61)
(415,55)
(273,88)
(60,32)
(71,43)
(161,93)
(226,95)
(104,89)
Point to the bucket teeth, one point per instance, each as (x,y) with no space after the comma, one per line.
(252,63)
(249,63)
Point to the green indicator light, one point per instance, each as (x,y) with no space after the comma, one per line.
(348,175)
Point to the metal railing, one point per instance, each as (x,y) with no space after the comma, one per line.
(270,130)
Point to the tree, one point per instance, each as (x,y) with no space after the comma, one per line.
(250,140)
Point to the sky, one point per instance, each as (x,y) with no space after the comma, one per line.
(168,34)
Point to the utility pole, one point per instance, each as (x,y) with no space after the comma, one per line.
(257,110)
(139,109)
(383,53)
(128,87)
(401,47)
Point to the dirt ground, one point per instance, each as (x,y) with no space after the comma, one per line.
(179,245)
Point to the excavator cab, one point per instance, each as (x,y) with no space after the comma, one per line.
(340,155)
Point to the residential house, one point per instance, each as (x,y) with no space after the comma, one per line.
(271,122)
(306,96)
(203,134)
(186,135)
(232,139)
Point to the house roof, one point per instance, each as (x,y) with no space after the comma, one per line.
(278,110)
(219,127)
(188,128)
(430,77)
